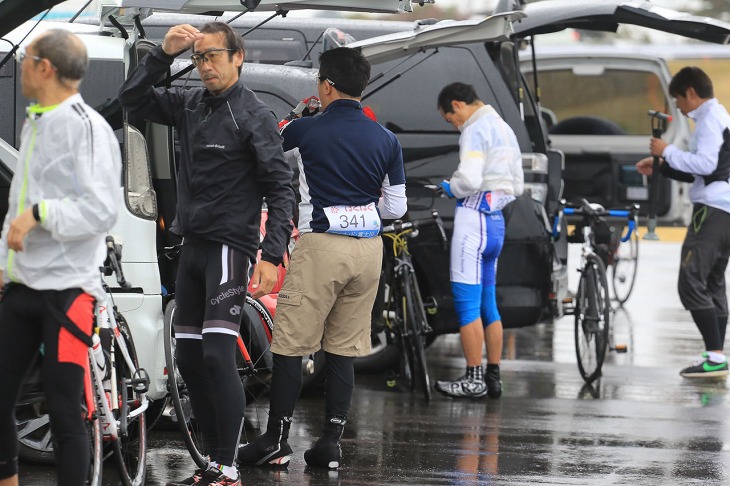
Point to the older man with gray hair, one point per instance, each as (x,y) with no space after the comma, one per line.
(63,200)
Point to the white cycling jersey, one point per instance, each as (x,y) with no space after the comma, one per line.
(490,160)
(70,165)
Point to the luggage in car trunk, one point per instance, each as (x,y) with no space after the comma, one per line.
(525,264)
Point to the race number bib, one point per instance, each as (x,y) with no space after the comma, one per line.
(357,221)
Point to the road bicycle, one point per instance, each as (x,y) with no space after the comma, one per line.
(405,311)
(114,401)
(591,303)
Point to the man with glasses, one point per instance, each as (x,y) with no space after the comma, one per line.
(231,158)
(63,200)
(351,176)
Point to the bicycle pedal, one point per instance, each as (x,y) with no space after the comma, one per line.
(621,348)
(431,306)
(140,381)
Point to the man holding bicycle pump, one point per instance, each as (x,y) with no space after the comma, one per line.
(63,200)
(706,247)
(488,177)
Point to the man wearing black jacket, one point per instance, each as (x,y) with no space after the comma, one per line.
(230,158)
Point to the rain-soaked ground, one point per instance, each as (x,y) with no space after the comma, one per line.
(640,424)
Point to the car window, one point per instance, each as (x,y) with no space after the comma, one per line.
(717,68)
(606,102)
(408,104)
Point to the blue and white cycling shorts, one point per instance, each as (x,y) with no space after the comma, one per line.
(475,247)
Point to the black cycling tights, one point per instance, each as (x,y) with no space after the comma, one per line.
(26,321)
(218,404)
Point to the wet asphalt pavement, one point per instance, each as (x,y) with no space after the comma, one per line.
(641,423)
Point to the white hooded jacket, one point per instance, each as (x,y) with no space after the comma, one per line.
(70,165)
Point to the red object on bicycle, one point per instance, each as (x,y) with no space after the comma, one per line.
(307,107)
(269,300)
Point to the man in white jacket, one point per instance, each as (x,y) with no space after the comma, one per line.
(489,177)
(63,200)
(706,246)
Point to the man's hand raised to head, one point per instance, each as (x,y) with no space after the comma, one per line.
(179,38)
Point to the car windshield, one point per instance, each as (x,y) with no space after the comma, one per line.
(621,97)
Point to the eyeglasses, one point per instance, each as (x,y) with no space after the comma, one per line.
(210,55)
(321,78)
(20,55)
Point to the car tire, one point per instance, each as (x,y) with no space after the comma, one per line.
(379,360)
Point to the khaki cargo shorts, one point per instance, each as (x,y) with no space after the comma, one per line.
(328,295)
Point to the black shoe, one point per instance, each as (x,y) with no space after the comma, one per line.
(271,448)
(199,477)
(327,452)
(705,368)
(494,383)
(187,481)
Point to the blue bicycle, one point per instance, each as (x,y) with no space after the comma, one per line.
(591,304)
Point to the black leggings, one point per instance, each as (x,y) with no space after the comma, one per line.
(218,404)
(210,293)
(286,384)
(27,319)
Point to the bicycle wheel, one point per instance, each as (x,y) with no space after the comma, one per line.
(192,435)
(592,319)
(625,263)
(130,448)
(415,332)
(398,327)
(93,429)
(257,326)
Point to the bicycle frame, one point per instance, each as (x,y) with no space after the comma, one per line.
(405,313)
(102,313)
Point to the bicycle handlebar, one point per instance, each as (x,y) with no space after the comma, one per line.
(592,211)
(399,226)
(114,255)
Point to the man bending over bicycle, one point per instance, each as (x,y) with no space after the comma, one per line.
(488,177)
(63,199)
